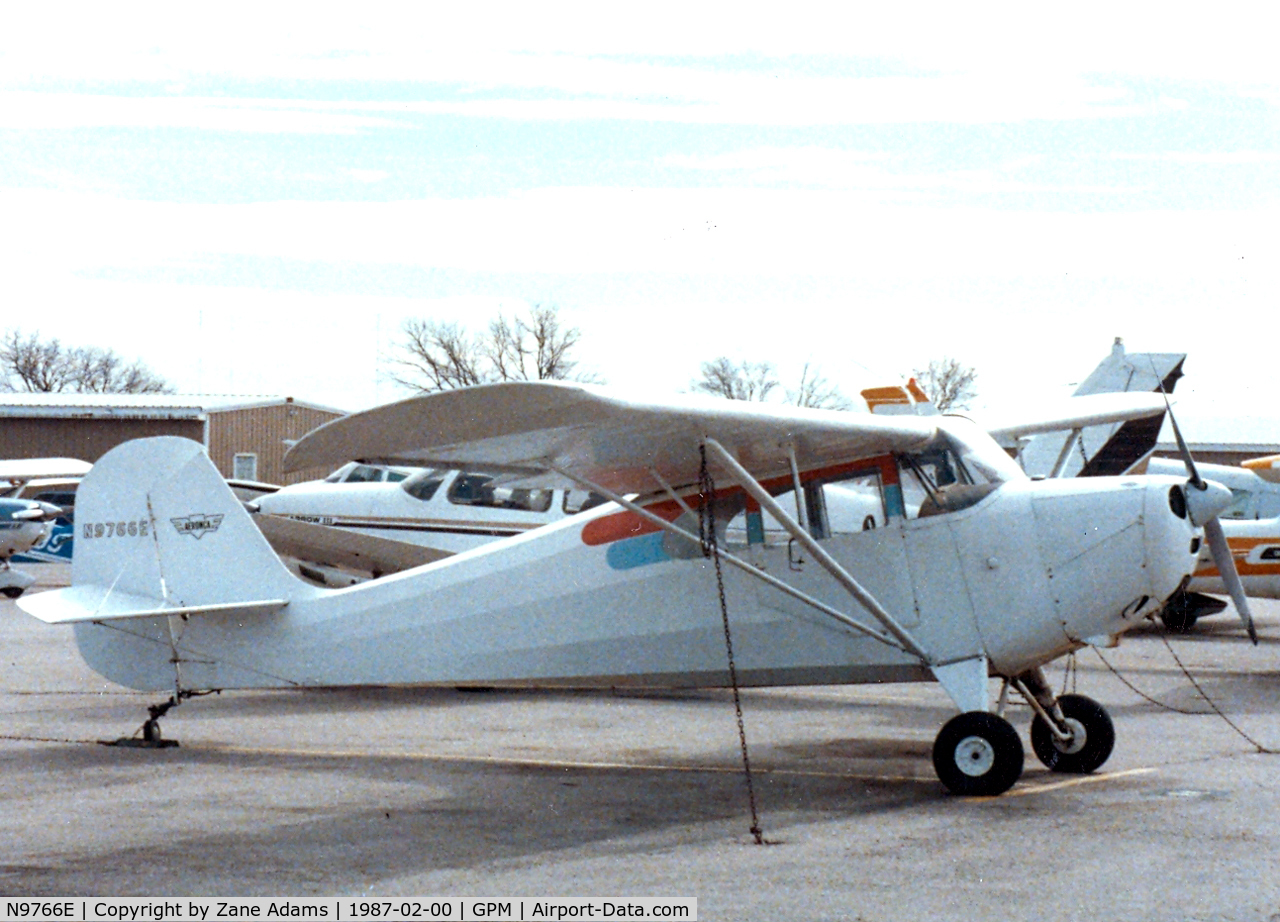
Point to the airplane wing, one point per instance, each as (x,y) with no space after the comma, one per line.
(1267,468)
(337,547)
(31,468)
(532,427)
(1078,412)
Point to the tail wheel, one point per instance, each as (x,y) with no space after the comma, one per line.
(151,731)
(1093,737)
(977,753)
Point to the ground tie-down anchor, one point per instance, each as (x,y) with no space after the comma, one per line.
(148,736)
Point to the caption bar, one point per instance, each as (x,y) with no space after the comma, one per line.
(453,909)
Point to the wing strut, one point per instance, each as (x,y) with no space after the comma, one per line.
(1061,464)
(732,559)
(802,514)
(839,573)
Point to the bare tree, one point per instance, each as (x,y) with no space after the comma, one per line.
(437,356)
(948,383)
(29,363)
(535,348)
(817,392)
(736,380)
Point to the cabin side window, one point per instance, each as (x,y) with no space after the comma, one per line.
(363,473)
(837,504)
(470,489)
(853,504)
(424,484)
(576,501)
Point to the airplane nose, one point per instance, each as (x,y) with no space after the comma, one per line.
(1205,500)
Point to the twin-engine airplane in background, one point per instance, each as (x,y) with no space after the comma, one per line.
(977,570)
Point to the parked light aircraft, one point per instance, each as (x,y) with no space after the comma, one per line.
(28,525)
(991,573)
(1251,526)
(1267,468)
(438,510)
(451,511)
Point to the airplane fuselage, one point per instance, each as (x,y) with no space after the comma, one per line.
(1033,570)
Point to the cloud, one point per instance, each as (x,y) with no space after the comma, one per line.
(767,233)
(42,111)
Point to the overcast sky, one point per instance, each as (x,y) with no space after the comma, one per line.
(253,202)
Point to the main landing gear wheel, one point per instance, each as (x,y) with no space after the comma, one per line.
(12,591)
(977,753)
(1093,736)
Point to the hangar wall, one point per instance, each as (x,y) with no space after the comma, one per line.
(86,439)
(246,437)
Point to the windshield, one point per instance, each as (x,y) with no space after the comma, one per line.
(955,472)
(978,452)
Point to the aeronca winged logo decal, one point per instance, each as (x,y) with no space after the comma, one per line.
(197,525)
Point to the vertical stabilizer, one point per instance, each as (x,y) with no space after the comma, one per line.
(1111,448)
(159,531)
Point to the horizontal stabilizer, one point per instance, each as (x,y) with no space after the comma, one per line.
(98,603)
(1079,412)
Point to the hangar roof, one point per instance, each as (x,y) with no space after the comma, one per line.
(65,405)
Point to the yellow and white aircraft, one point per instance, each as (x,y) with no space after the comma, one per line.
(1267,468)
(1251,527)
(992,574)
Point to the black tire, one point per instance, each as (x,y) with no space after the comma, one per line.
(1178,616)
(12,591)
(1084,756)
(978,754)
(151,731)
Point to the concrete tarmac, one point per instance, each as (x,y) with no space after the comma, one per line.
(431,792)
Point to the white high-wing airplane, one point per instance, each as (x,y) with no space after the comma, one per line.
(442,511)
(173,586)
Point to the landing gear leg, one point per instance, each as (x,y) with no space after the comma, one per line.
(148,736)
(1071,733)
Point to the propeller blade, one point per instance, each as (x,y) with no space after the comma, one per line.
(1209,507)
(1226,565)
(1189,461)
